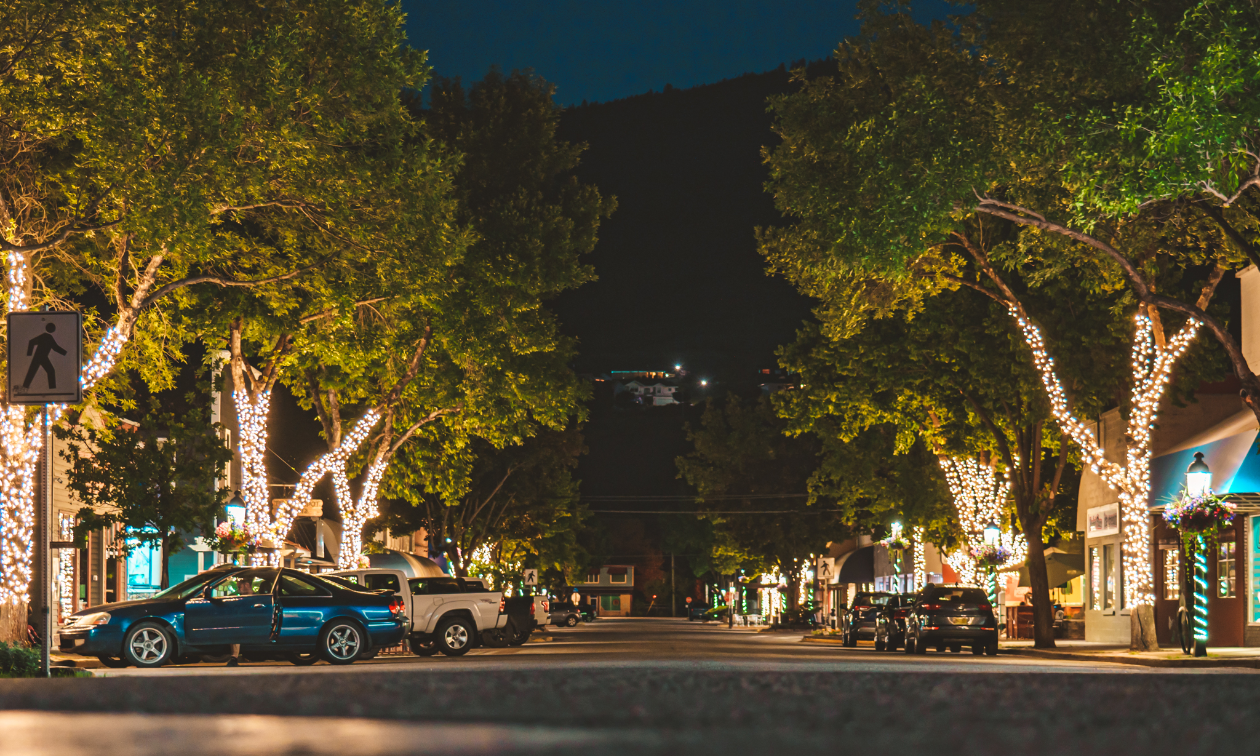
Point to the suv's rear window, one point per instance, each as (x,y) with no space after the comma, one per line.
(957,596)
(434,586)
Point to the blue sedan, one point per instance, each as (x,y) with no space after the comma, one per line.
(269,611)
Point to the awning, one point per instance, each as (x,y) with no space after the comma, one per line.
(1226,448)
(1060,566)
(856,566)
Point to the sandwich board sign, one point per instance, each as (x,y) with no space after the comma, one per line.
(45,357)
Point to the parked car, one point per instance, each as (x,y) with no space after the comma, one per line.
(696,612)
(565,614)
(521,614)
(890,621)
(444,614)
(269,612)
(860,619)
(950,617)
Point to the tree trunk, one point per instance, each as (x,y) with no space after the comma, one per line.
(1142,629)
(1039,579)
(166,562)
(13,622)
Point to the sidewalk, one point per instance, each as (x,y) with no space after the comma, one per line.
(1079,650)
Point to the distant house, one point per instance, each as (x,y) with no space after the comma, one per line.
(653,394)
(612,586)
(774,380)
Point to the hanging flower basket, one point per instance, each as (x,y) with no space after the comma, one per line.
(230,538)
(895,543)
(990,555)
(1199,515)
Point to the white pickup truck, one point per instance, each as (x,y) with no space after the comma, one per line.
(446,615)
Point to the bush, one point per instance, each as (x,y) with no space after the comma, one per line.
(18,661)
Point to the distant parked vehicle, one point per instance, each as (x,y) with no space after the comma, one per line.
(890,621)
(859,621)
(950,617)
(445,614)
(565,614)
(696,612)
(269,612)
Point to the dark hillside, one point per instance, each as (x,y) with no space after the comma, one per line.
(680,277)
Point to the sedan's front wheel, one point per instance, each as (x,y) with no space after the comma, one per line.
(341,642)
(571,621)
(148,645)
(455,636)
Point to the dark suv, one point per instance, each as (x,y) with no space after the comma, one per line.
(890,622)
(859,620)
(952,617)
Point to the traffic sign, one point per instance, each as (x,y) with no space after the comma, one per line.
(531,577)
(45,356)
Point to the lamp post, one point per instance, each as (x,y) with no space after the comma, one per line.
(991,535)
(1198,483)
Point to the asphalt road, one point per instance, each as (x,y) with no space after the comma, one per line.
(640,687)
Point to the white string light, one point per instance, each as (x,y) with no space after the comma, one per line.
(252,418)
(334,462)
(920,560)
(1152,369)
(980,497)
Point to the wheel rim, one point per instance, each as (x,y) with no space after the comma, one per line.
(455,636)
(148,645)
(343,642)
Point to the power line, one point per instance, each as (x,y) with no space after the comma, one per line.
(712,512)
(691,497)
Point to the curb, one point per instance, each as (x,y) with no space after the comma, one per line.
(541,639)
(823,640)
(1187,663)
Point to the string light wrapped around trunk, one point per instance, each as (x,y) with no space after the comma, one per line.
(980,497)
(1152,368)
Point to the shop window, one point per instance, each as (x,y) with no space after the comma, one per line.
(1110,578)
(1095,579)
(610,603)
(1172,573)
(1226,574)
(617,578)
(144,569)
(1254,543)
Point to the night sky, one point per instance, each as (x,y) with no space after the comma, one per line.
(600,51)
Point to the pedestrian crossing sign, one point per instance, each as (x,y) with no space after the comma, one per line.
(45,356)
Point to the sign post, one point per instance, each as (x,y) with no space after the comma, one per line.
(45,358)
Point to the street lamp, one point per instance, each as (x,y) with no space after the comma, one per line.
(235,509)
(991,534)
(1198,477)
(1198,483)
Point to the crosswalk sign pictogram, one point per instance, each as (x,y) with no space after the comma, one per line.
(45,356)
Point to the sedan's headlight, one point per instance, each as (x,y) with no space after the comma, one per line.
(92,620)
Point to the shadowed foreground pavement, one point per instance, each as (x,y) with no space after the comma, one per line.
(551,701)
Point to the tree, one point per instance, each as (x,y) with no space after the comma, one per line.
(890,165)
(744,461)
(154,148)
(158,480)
(518,506)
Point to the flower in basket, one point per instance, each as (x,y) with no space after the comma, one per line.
(1199,515)
(895,542)
(364,562)
(990,555)
(231,538)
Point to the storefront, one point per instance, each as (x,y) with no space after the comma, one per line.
(1233,563)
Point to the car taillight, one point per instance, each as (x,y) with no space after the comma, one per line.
(900,612)
(533,607)
(396,606)
(546,606)
(502,605)
(984,607)
(930,607)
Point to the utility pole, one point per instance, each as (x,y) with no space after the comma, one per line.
(673,603)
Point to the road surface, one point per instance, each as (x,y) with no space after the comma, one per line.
(639,686)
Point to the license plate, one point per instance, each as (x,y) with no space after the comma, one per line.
(960,620)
